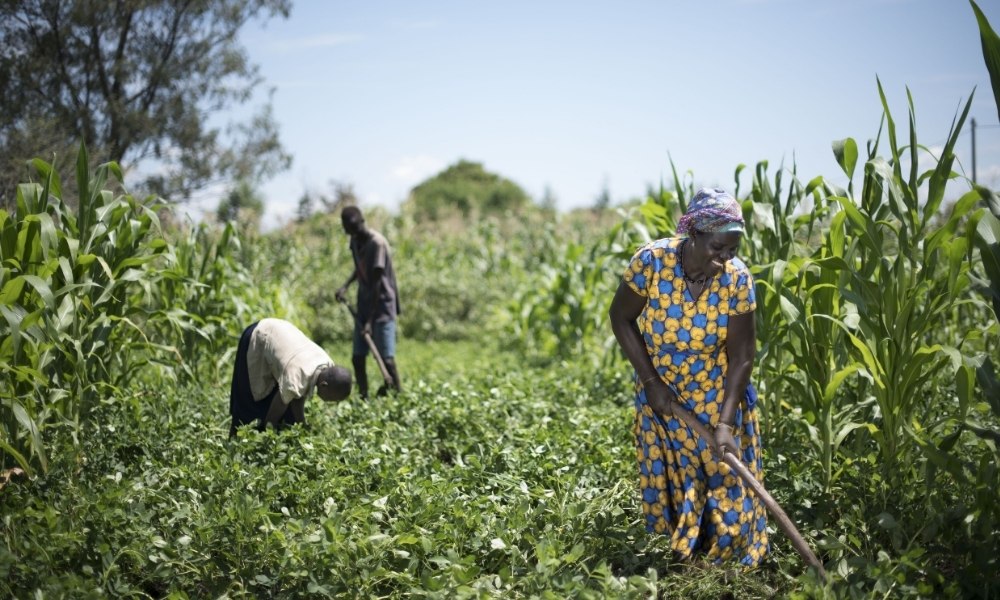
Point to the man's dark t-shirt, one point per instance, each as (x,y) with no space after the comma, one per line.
(369,256)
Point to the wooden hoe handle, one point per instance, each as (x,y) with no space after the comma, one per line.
(372,347)
(784,523)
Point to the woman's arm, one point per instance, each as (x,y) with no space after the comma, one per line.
(625,309)
(741,345)
(740,349)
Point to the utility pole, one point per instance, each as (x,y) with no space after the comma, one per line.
(973,150)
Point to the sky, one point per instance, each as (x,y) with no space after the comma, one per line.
(578,97)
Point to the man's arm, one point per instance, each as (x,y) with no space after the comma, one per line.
(343,289)
(275,412)
(298,408)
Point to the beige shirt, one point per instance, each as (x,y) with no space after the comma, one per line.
(281,355)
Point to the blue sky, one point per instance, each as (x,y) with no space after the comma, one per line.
(575,96)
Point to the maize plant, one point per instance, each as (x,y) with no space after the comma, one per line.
(72,324)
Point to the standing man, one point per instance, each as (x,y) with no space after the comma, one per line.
(277,369)
(378,297)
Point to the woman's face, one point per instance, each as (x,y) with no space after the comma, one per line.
(715,249)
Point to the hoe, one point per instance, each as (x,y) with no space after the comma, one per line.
(784,523)
(371,346)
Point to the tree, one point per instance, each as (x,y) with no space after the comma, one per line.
(343,195)
(549,201)
(603,199)
(139,81)
(242,205)
(305,208)
(465,189)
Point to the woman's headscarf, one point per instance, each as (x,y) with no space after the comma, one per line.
(712,210)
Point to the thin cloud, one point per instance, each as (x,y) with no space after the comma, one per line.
(326,40)
(424,24)
(413,169)
(988,175)
(760,2)
(300,84)
(947,77)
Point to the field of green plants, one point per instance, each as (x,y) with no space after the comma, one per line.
(505,468)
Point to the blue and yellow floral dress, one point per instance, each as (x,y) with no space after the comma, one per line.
(686,492)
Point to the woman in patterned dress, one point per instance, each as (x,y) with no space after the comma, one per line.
(684,317)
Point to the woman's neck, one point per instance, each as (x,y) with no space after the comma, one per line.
(692,272)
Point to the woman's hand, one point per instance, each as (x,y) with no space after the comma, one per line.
(659,396)
(725,441)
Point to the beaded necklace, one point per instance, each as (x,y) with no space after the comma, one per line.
(680,260)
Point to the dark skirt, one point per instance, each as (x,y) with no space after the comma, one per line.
(243,408)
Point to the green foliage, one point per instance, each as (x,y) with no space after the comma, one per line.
(95,300)
(454,279)
(506,467)
(988,238)
(465,190)
(206,295)
(904,277)
(871,335)
(485,477)
(559,313)
(475,482)
(991,50)
(987,241)
(451,287)
(72,326)
(803,354)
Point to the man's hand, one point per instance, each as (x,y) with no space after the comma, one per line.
(368,328)
(725,441)
(340,295)
(660,397)
(274,413)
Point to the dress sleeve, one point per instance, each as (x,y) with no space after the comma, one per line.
(742,298)
(639,271)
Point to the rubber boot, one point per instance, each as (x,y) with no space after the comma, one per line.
(390,365)
(385,388)
(360,376)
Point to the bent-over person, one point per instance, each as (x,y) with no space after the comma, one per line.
(277,368)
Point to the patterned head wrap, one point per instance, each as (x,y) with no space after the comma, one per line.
(712,210)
